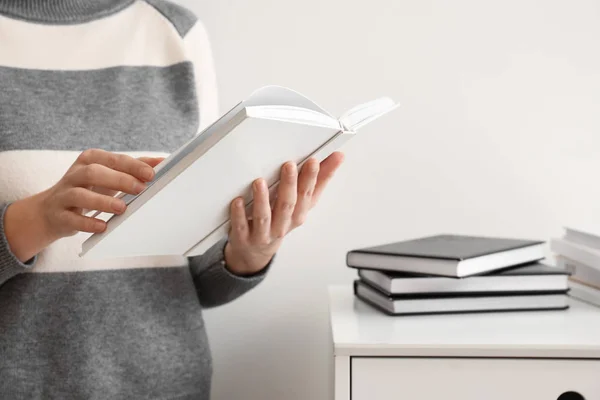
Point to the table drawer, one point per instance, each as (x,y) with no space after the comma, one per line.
(474,379)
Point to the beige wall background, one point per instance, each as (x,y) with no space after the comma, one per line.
(498,134)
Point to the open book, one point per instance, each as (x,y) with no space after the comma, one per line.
(185,209)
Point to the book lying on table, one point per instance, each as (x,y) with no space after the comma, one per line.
(185,209)
(447,255)
(585,237)
(580,272)
(576,251)
(415,304)
(536,277)
(581,291)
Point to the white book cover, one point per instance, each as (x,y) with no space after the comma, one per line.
(583,235)
(185,209)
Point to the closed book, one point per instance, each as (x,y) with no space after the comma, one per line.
(536,277)
(448,255)
(588,236)
(458,303)
(576,252)
(586,293)
(580,272)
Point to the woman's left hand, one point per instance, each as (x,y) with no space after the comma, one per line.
(253,242)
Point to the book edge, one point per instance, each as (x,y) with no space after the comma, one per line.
(527,243)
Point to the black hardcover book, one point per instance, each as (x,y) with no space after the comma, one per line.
(424,304)
(535,277)
(448,255)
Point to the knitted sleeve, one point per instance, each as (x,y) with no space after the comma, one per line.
(10,265)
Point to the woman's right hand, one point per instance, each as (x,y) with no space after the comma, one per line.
(33,223)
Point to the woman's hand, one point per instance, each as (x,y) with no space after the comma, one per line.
(254,241)
(90,183)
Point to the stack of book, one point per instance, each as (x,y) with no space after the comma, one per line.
(458,274)
(578,251)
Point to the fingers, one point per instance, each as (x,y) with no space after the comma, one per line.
(239,222)
(78,222)
(306,186)
(99,175)
(327,169)
(118,162)
(296,195)
(261,213)
(90,184)
(79,197)
(285,203)
(151,161)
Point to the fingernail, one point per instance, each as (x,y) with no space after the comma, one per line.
(148,173)
(99,226)
(260,184)
(118,205)
(139,187)
(290,167)
(239,203)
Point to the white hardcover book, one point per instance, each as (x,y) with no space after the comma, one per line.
(584,293)
(583,236)
(185,209)
(579,271)
(577,252)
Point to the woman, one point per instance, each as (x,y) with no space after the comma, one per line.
(95,94)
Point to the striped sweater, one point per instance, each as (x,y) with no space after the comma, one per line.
(128,76)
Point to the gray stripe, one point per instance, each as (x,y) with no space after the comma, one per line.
(127,334)
(181,18)
(61,11)
(117,109)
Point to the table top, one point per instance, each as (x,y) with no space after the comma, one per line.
(360,330)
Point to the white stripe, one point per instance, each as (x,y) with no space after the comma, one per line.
(27,172)
(136,36)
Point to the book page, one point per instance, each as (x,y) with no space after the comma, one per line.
(296,115)
(364,113)
(281,96)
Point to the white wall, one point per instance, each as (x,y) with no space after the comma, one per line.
(499,134)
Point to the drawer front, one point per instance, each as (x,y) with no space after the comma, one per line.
(474,379)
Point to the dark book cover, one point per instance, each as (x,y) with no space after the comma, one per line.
(529,269)
(453,295)
(449,247)
(373,304)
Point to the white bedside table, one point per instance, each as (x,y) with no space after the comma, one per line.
(500,356)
